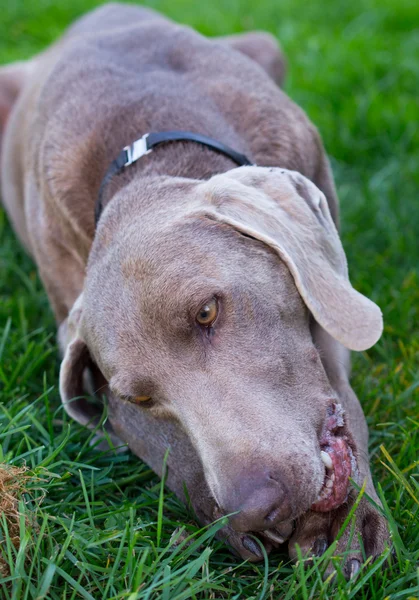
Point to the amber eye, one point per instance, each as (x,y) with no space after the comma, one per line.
(141,399)
(207,313)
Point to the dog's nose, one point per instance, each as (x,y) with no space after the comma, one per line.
(260,503)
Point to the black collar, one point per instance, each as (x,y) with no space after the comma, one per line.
(145,145)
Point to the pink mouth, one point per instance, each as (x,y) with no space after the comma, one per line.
(339,462)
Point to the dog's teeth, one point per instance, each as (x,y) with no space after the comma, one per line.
(329,483)
(323,495)
(327,461)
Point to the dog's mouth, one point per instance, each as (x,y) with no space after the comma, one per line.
(337,452)
(338,459)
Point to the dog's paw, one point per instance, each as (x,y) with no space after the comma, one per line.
(248,545)
(367,537)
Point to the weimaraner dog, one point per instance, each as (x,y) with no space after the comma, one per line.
(209,301)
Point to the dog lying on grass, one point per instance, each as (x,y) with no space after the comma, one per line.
(209,299)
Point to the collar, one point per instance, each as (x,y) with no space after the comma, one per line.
(144,145)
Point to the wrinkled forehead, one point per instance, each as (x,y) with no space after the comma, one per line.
(150,282)
(183,256)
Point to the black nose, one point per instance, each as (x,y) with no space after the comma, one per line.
(260,500)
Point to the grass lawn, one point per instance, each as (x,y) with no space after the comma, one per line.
(99,525)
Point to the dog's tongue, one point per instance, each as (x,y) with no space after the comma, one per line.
(338,471)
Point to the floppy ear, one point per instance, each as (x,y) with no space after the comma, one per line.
(290,214)
(80,377)
(12,79)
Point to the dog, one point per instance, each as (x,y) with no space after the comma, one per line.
(183,217)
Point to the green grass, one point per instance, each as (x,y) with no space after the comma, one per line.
(100,531)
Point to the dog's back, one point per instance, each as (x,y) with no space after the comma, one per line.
(122,71)
(118,73)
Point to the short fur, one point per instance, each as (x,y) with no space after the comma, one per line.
(241,407)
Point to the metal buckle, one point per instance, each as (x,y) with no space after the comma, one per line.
(136,150)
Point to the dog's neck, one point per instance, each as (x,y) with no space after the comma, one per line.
(180,159)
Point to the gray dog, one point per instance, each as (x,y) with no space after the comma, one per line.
(211,303)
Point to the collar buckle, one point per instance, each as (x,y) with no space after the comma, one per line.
(130,154)
(136,150)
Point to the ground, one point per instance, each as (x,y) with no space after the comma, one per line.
(99,526)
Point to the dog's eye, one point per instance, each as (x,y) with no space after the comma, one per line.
(141,399)
(207,313)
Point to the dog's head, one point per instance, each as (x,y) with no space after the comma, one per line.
(198,307)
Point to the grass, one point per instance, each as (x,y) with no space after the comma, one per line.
(94,525)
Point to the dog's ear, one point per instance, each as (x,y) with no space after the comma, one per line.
(290,214)
(12,78)
(80,377)
(263,48)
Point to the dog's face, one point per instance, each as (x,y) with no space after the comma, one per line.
(198,310)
